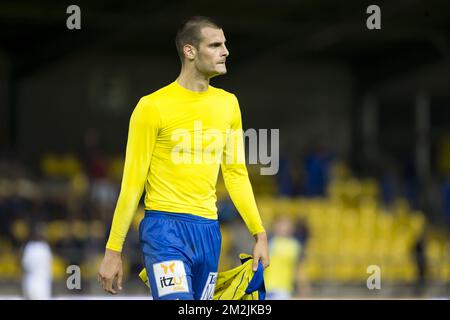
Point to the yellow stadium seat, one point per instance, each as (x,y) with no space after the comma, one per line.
(20,230)
(80,230)
(59,267)
(97,230)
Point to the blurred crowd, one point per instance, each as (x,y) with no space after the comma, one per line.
(325,225)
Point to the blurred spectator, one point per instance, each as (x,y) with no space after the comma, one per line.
(390,184)
(446,199)
(421,264)
(411,183)
(92,156)
(226,210)
(289,177)
(317,163)
(37,267)
(103,192)
(301,232)
(285,251)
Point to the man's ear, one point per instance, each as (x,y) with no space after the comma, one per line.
(189,51)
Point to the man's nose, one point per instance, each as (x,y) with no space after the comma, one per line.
(225,52)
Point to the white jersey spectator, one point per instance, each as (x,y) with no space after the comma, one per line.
(37,271)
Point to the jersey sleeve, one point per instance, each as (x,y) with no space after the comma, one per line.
(142,134)
(235,174)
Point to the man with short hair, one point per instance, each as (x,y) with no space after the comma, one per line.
(178,138)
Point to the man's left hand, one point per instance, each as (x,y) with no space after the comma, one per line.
(261,251)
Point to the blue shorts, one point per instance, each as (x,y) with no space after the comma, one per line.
(181,255)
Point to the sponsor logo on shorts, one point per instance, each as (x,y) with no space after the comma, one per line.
(170,277)
(208,290)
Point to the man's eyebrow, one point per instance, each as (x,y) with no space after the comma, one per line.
(214,43)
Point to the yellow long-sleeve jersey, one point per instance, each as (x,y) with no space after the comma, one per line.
(177,140)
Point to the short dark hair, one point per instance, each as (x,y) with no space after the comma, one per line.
(190,32)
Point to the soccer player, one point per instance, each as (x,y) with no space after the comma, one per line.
(175,136)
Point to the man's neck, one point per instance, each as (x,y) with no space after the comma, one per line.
(192,80)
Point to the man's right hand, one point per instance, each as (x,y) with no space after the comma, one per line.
(110,272)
